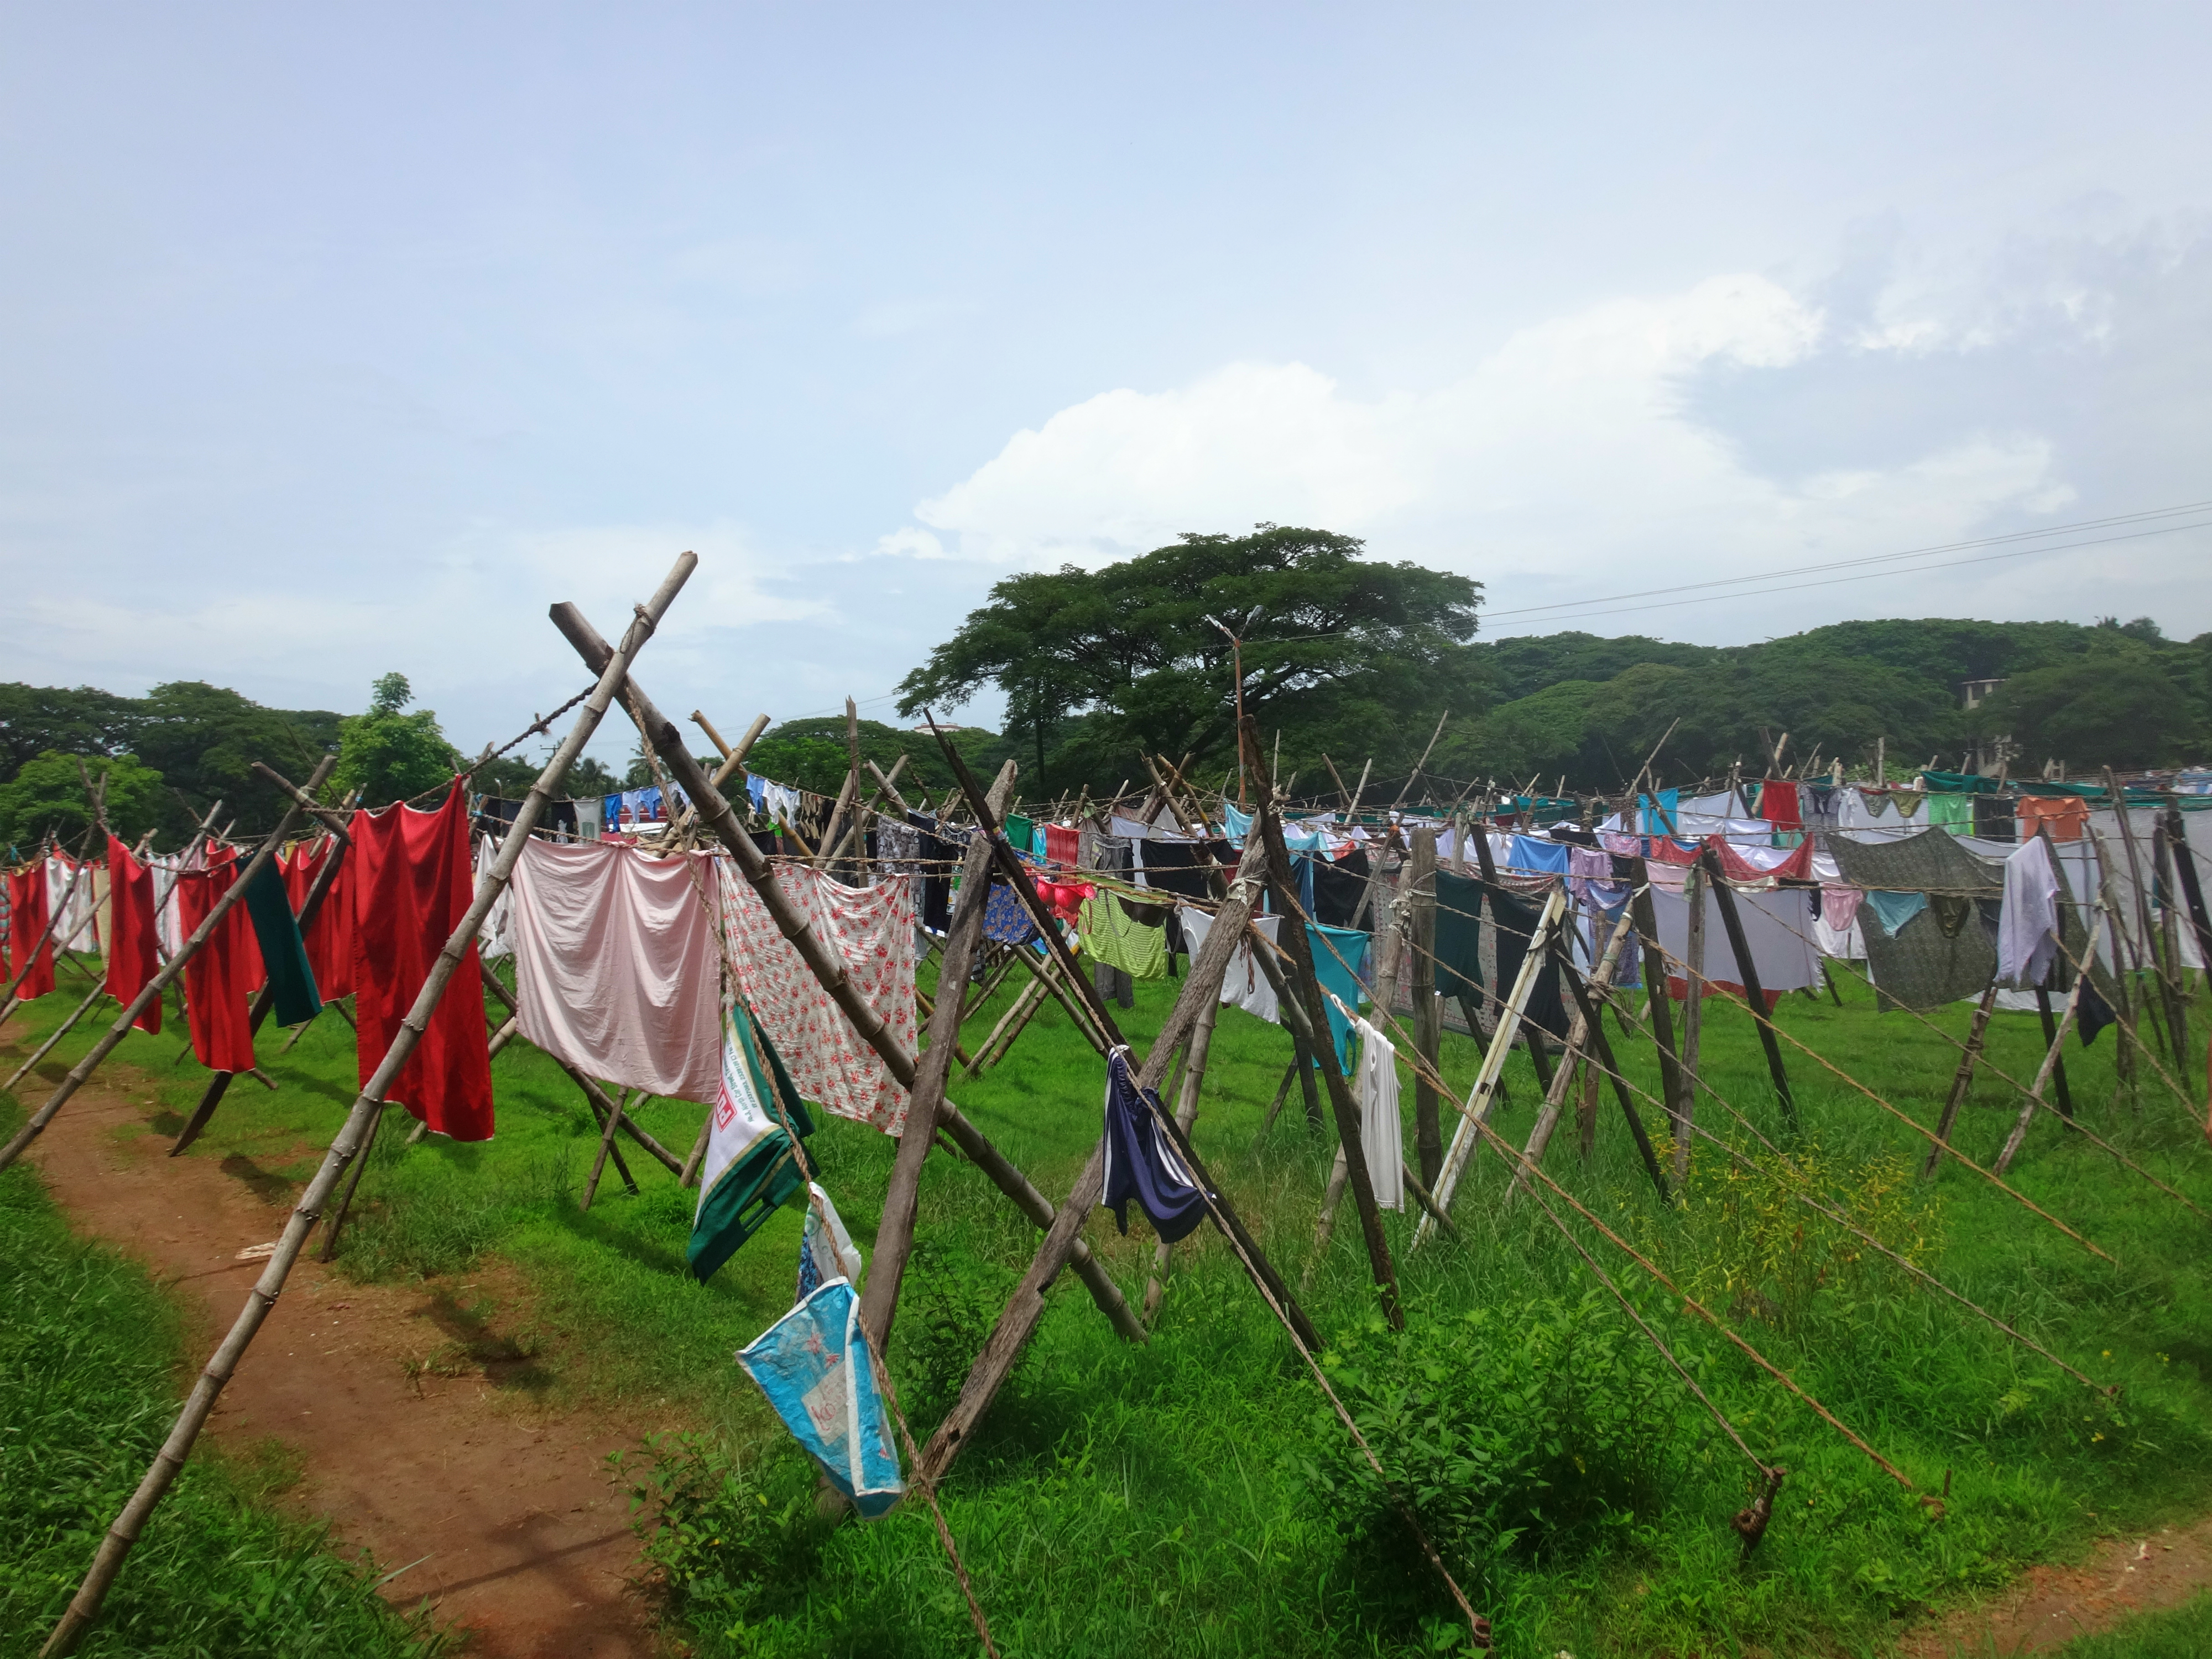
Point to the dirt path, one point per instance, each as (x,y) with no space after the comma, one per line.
(413,1417)
(2049,1606)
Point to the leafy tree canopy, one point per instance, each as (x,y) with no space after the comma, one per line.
(391,755)
(1341,653)
(47,794)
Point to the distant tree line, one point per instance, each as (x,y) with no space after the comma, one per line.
(1348,659)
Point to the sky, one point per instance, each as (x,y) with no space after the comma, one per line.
(343,339)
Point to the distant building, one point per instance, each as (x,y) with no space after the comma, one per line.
(1978,691)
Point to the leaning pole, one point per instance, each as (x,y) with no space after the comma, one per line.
(84,1607)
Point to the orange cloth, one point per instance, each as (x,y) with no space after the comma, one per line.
(2065,815)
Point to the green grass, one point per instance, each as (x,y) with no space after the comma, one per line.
(2182,1632)
(1194,1495)
(89,1377)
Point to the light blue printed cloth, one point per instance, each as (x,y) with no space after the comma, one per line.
(814,1366)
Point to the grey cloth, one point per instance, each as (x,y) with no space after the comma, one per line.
(1947,950)
(1113,985)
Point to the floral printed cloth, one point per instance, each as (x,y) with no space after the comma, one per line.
(872,929)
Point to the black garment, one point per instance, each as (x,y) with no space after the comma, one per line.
(1574,833)
(938,858)
(2093,1015)
(563,816)
(1516,920)
(1180,867)
(1994,819)
(1338,888)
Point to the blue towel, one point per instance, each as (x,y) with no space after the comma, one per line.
(1537,854)
(814,1366)
(1141,1162)
(1893,910)
(1342,977)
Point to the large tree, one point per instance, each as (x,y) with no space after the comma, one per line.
(389,754)
(1341,654)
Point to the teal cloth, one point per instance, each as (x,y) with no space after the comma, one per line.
(1893,910)
(1340,977)
(1957,783)
(1459,936)
(284,952)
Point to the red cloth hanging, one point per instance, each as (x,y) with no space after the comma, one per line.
(1778,804)
(329,938)
(131,959)
(27,916)
(411,883)
(219,978)
(1061,843)
(1798,866)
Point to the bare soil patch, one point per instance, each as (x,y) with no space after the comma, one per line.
(415,1413)
(2049,1606)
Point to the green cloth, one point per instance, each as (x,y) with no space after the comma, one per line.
(758,1172)
(1021,833)
(1953,812)
(1338,956)
(1459,935)
(284,952)
(1112,938)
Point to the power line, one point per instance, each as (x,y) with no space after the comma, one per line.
(2043,534)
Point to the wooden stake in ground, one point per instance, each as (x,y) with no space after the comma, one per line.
(219,1083)
(1475,1115)
(2051,1057)
(902,1197)
(160,981)
(1548,1118)
(1019,1318)
(1962,1080)
(84,1607)
(829,969)
(1186,1114)
(1673,1086)
(1724,896)
(1428,1016)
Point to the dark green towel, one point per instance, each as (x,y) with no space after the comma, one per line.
(1459,936)
(284,952)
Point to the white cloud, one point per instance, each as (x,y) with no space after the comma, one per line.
(1566,456)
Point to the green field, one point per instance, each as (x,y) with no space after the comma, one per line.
(1196,1497)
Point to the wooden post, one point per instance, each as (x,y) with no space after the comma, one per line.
(828,970)
(98,988)
(1475,1115)
(1693,1018)
(1673,1086)
(1962,1080)
(2192,890)
(2169,983)
(2165,864)
(1724,896)
(2057,1066)
(123,1533)
(219,1083)
(2051,1057)
(902,1197)
(1307,983)
(1186,1114)
(1602,1052)
(1428,1014)
(1019,1318)
(615,1120)
(1547,1117)
(160,981)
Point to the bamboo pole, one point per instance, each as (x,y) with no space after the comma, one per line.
(60,1031)
(84,1607)
(1186,1115)
(160,981)
(1428,1016)
(902,1194)
(623,1103)
(1962,1080)
(1602,1052)
(2051,1057)
(829,969)
(1019,1320)
(1673,1086)
(1555,1097)
(219,1083)
(1476,1113)
(1694,1016)
(1724,896)
(2168,977)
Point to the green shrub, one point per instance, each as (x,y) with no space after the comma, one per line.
(1541,1429)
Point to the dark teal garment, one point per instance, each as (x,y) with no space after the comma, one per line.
(284,952)
(1339,961)
(1459,936)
